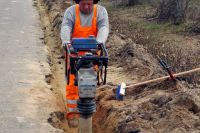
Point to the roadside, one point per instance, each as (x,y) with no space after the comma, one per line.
(25,98)
(57,79)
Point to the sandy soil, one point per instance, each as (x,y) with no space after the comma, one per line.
(160,107)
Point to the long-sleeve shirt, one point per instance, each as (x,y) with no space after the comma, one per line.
(69,18)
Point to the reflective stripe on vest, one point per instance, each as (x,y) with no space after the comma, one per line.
(71,101)
(72,110)
(85,31)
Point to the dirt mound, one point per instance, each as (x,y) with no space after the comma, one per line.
(157,108)
(134,58)
(57,120)
(161,107)
(164,40)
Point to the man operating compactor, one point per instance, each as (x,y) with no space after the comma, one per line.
(82,20)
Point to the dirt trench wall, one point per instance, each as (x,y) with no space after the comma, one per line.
(55,11)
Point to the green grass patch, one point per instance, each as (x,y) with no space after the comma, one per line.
(155,26)
(161,27)
(194,1)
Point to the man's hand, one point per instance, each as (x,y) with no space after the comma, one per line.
(64,47)
(66,44)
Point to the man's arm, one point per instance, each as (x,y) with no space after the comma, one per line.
(67,26)
(103,25)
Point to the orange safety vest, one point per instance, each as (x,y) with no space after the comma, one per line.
(86,31)
(79,32)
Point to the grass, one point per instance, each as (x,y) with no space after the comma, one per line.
(164,27)
(135,15)
(159,38)
(194,1)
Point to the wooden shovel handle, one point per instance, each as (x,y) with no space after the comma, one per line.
(163,78)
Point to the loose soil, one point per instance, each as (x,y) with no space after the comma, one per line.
(160,107)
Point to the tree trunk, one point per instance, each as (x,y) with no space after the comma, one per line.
(174,10)
(133,2)
(126,2)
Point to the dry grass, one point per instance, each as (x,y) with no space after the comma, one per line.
(170,42)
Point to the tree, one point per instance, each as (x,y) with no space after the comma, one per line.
(132,2)
(126,2)
(174,10)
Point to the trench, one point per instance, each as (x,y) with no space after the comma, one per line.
(166,102)
(56,80)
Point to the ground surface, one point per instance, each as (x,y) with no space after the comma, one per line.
(25,98)
(133,46)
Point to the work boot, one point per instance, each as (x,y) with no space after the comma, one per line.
(72,119)
(73,123)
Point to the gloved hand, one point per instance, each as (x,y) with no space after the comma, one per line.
(65,45)
(69,46)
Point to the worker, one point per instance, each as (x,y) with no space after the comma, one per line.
(82,20)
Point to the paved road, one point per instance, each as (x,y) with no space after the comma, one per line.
(23,107)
